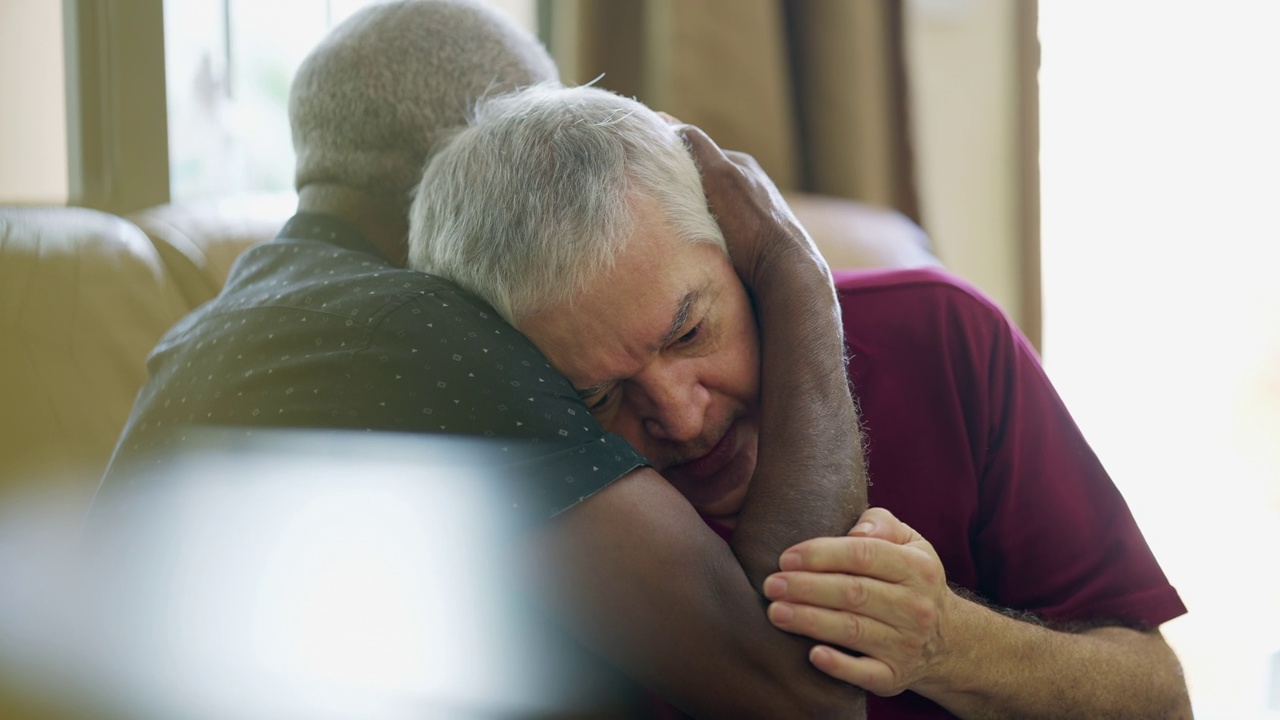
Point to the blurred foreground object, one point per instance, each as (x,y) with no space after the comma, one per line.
(294,574)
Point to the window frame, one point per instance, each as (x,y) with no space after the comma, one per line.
(117,113)
(117,106)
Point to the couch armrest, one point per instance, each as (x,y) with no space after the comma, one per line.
(83,298)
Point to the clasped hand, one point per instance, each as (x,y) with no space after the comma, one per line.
(879,592)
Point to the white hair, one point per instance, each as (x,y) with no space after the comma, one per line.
(370,101)
(536,197)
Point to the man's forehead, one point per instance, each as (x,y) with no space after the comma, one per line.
(612,328)
(628,342)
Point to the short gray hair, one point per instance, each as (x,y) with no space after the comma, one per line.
(527,205)
(371,100)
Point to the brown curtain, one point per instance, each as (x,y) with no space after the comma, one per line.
(814,89)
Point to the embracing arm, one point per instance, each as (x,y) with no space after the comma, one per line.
(810,479)
(635,574)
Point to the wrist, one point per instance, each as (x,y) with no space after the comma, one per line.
(945,674)
(983,649)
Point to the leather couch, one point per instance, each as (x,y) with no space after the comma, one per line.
(84,295)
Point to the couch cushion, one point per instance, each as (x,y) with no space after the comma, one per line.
(200,239)
(84,296)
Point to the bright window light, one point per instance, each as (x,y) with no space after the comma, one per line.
(1160,161)
(228,65)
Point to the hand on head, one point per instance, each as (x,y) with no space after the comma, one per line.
(756,221)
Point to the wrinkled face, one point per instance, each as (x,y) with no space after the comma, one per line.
(664,350)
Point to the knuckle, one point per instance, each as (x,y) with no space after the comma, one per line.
(855,594)
(858,554)
(852,631)
(923,613)
(717,169)
(931,573)
(725,172)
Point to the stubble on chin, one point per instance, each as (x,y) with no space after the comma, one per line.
(675,455)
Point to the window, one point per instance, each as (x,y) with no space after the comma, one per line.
(1160,166)
(182,99)
(228,65)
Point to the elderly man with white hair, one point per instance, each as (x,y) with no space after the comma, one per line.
(1000,574)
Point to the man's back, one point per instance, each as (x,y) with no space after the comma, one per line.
(316,330)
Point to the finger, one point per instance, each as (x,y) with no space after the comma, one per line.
(871,557)
(891,604)
(880,523)
(742,159)
(705,151)
(865,672)
(737,169)
(847,630)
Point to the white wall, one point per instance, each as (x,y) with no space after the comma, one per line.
(33,126)
(962,63)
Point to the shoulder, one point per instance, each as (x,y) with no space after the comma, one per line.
(919,307)
(912,288)
(286,264)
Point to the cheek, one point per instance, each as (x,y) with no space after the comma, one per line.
(627,424)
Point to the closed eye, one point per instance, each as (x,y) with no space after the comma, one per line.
(689,337)
(599,396)
(600,401)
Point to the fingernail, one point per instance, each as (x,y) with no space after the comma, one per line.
(781,613)
(775,587)
(820,656)
(865,528)
(790,561)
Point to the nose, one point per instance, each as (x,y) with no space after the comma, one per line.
(671,401)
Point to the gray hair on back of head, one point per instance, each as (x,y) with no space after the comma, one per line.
(373,97)
(536,197)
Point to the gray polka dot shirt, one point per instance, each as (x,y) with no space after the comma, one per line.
(316,330)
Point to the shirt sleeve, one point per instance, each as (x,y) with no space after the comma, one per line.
(1054,535)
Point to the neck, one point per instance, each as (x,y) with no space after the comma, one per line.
(382,222)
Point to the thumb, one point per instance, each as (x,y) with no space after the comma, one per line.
(881,524)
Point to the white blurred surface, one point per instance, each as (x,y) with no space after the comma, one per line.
(1160,153)
(351,576)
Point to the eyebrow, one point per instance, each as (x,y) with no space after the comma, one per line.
(682,315)
(678,320)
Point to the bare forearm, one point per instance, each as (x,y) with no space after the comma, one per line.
(678,616)
(886,621)
(809,476)
(1013,669)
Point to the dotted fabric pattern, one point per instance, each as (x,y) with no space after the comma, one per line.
(316,330)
